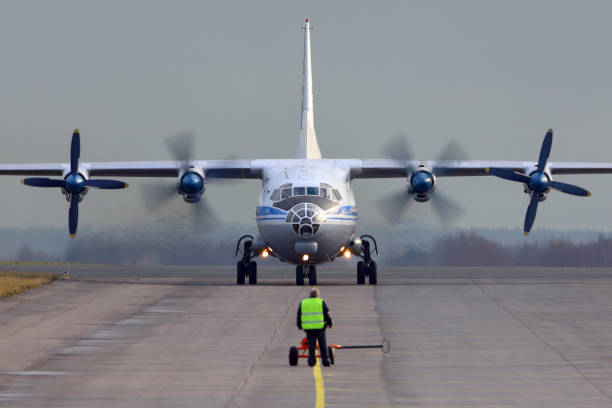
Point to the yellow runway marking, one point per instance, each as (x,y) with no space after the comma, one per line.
(319,387)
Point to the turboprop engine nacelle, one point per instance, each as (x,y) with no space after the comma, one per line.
(421,183)
(191,184)
(75,183)
(538,181)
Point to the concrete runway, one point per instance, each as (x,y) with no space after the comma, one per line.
(187,337)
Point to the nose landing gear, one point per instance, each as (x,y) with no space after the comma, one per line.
(246,266)
(367,267)
(302,271)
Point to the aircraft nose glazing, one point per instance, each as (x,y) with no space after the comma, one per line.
(305,219)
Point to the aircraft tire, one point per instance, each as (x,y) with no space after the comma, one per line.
(240,273)
(312,275)
(293,356)
(299,275)
(330,354)
(372,273)
(252,272)
(361,273)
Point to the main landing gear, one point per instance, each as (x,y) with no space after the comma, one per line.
(302,271)
(246,266)
(367,267)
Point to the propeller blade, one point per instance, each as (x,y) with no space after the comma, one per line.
(106,184)
(75,151)
(394,206)
(531,213)
(181,146)
(73,215)
(205,216)
(446,209)
(155,195)
(42,182)
(398,149)
(569,189)
(452,151)
(545,150)
(507,174)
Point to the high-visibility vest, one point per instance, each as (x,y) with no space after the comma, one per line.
(312,314)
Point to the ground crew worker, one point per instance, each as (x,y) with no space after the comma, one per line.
(313,317)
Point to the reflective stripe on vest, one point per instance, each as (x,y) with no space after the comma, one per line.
(312,314)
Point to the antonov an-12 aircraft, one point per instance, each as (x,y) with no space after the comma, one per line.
(306,212)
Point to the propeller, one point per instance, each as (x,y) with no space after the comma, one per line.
(395,205)
(181,147)
(538,181)
(74,183)
(398,149)
(421,183)
(191,184)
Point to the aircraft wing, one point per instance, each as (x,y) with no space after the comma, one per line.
(212,168)
(244,169)
(388,168)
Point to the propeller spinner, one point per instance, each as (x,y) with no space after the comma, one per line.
(74,183)
(538,182)
(421,184)
(191,184)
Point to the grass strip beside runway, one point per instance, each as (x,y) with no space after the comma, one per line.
(12,283)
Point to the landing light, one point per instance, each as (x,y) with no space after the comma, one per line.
(342,249)
(305,257)
(347,253)
(265,253)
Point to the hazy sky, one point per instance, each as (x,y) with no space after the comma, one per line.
(493,75)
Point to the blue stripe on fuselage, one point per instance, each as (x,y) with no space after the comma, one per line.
(263,211)
(346,211)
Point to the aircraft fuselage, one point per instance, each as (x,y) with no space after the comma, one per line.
(306,207)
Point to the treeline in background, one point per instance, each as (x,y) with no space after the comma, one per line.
(472,249)
(187,245)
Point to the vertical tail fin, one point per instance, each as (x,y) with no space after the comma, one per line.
(308,146)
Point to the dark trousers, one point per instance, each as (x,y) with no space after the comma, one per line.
(313,336)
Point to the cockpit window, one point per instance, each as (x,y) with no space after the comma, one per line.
(324,191)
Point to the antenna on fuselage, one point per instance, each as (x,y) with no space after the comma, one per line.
(308,146)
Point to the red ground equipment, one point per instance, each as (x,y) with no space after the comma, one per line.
(301,351)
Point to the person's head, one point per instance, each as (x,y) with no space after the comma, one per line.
(314,292)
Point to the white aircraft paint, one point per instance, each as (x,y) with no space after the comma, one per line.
(317,214)
(308,146)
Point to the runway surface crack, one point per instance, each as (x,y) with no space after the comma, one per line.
(543,340)
(263,352)
(58,310)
